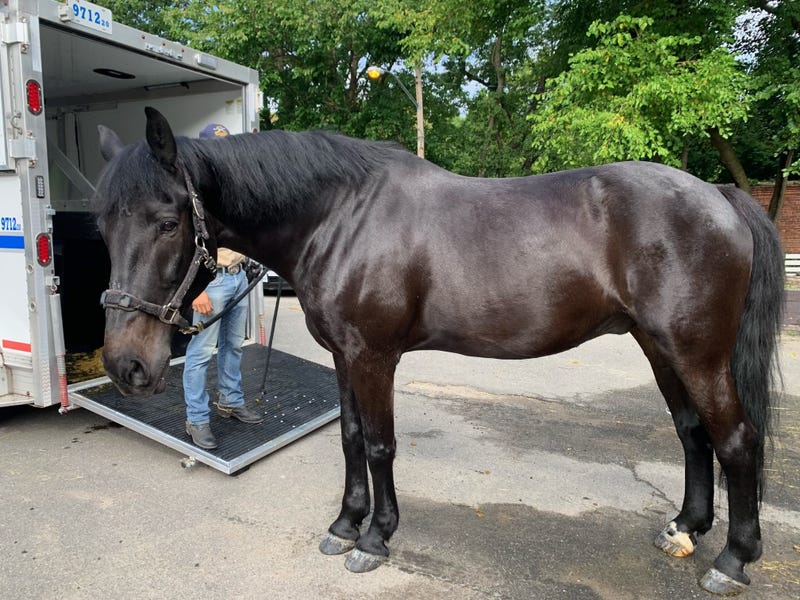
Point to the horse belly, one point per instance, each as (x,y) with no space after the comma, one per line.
(526,323)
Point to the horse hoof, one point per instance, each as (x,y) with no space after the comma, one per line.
(333,544)
(359,561)
(718,583)
(676,543)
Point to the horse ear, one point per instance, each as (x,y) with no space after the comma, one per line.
(110,144)
(160,138)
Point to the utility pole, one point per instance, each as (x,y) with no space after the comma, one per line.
(420,116)
(376,73)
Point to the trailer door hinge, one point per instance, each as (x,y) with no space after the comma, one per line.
(22,148)
(64,13)
(15,33)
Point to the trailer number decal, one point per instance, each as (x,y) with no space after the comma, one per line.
(10,224)
(11,237)
(90,15)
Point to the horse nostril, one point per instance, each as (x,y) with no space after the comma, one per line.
(137,374)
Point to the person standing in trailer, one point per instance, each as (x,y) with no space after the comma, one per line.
(228,334)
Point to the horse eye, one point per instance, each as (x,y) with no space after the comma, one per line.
(167,226)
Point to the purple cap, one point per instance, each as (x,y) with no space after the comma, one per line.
(214,130)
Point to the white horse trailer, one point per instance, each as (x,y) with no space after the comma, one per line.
(65,68)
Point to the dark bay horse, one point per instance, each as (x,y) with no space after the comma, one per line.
(387,253)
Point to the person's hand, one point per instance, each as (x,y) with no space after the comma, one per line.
(202,304)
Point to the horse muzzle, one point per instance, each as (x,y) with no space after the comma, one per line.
(133,375)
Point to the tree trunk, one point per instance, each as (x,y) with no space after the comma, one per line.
(353,79)
(728,157)
(685,155)
(779,191)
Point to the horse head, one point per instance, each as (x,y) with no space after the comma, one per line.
(147,220)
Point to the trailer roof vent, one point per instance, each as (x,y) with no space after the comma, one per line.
(33,89)
(43,254)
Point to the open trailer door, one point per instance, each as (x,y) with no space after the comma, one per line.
(92,71)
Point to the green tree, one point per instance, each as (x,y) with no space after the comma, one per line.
(710,20)
(311,56)
(486,64)
(634,96)
(149,15)
(770,41)
(482,45)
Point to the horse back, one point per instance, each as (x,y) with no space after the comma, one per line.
(528,266)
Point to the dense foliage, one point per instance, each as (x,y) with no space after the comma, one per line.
(520,86)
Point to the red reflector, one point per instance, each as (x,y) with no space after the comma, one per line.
(34,93)
(43,254)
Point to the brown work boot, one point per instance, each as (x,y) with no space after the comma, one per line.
(243,413)
(201,435)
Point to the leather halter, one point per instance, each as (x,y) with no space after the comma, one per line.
(170,313)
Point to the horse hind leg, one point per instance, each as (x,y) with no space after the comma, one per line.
(736,443)
(345,530)
(711,417)
(680,537)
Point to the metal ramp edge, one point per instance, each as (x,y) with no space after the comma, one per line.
(301,397)
(191,451)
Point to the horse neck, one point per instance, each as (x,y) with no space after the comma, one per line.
(276,243)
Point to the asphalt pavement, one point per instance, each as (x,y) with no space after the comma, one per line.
(791,316)
(522,480)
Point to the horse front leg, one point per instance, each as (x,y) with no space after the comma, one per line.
(373,383)
(344,531)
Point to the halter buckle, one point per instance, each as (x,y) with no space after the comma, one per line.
(170,315)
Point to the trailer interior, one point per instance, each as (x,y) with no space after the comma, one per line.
(87,81)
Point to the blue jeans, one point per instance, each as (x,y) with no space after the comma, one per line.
(229,332)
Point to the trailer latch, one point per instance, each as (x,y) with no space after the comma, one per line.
(22,148)
(15,33)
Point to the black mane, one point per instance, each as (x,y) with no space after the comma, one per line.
(272,176)
(250,179)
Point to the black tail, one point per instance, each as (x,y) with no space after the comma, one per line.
(754,362)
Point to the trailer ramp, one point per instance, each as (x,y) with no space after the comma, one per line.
(301,396)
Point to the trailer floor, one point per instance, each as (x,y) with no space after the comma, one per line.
(301,396)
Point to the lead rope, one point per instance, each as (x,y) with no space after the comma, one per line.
(201,325)
(269,342)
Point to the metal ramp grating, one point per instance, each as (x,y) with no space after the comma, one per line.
(301,396)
